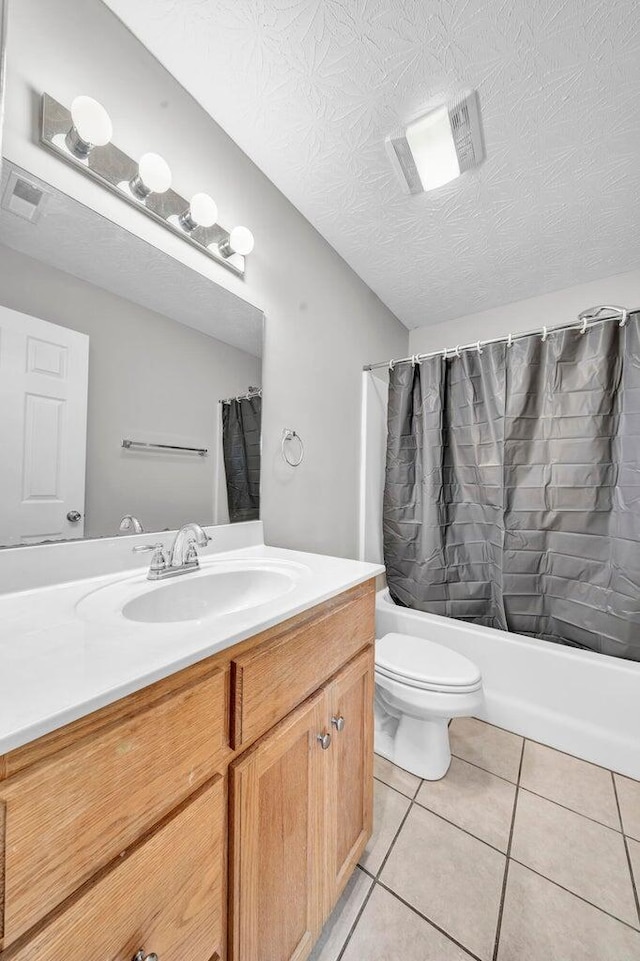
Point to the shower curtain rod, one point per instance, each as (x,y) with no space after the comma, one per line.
(252,392)
(588,318)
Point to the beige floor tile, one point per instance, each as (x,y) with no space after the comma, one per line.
(395,776)
(390,931)
(578,785)
(581,855)
(474,799)
(489,747)
(629,798)
(343,916)
(634,854)
(389,808)
(453,879)
(541,922)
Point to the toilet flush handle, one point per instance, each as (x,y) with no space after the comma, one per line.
(338,722)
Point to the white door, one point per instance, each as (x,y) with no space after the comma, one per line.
(43,429)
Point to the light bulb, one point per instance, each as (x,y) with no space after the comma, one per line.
(240,241)
(92,126)
(202,212)
(153,177)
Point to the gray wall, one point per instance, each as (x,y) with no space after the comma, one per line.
(560,307)
(322,322)
(147,375)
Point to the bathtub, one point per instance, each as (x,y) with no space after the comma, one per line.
(580,702)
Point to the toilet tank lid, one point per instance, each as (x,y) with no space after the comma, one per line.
(418,659)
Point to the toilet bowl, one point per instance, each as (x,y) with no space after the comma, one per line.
(420,686)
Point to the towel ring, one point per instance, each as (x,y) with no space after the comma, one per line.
(289,435)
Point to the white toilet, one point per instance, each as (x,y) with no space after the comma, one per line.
(420,686)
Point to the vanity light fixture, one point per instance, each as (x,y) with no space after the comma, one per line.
(153,176)
(439,146)
(201,212)
(239,241)
(91,126)
(71,134)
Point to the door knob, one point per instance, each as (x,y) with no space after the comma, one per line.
(141,956)
(325,741)
(338,722)
(74,516)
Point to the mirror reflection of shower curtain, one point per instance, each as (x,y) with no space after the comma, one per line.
(241,423)
(512,493)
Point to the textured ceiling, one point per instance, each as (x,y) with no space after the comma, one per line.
(310,88)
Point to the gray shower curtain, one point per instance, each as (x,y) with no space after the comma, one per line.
(512,494)
(241,425)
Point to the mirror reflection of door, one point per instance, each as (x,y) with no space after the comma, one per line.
(43,429)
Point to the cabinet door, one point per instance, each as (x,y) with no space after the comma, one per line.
(278,791)
(350,789)
(165,896)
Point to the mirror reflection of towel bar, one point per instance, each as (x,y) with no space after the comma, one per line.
(140,445)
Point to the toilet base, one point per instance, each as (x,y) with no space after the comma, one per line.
(420,747)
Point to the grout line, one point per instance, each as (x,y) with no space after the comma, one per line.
(375,876)
(357,917)
(557,750)
(395,838)
(485,769)
(409,797)
(597,907)
(503,893)
(425,917)
(626,848)
(580,814)
(466,831)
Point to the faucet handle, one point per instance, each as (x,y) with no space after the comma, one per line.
(158,561)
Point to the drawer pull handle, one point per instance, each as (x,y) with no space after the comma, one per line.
(338,722)
(141,956)
(325,741)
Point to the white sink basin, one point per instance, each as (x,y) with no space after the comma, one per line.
(217,589)
(211,594)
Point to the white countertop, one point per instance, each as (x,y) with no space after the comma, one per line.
(57,665)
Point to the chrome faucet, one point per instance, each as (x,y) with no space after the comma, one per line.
(130,525)
(182,557)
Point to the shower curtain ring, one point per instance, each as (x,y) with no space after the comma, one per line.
(510,340)
(392,364)
(545,334)
(623,317)
(479,347)
(457,350)
(444,353)
(414,360)
(583,329)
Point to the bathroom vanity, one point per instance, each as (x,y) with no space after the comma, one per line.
(216,813)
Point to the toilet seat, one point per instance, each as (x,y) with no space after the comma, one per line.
(425,665)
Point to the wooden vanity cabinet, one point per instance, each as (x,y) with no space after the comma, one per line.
(301,809)
(200,818)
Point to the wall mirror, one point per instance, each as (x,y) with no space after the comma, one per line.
(130,383)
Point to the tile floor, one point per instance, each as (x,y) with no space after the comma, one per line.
(521,853)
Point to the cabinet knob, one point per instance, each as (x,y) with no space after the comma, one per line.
(338,722)
(141,956)
(325,741)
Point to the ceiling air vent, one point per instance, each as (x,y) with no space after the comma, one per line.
(439,146)
(23,198)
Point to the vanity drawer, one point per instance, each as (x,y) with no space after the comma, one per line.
(165,896)
(70,815)
(270,680)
